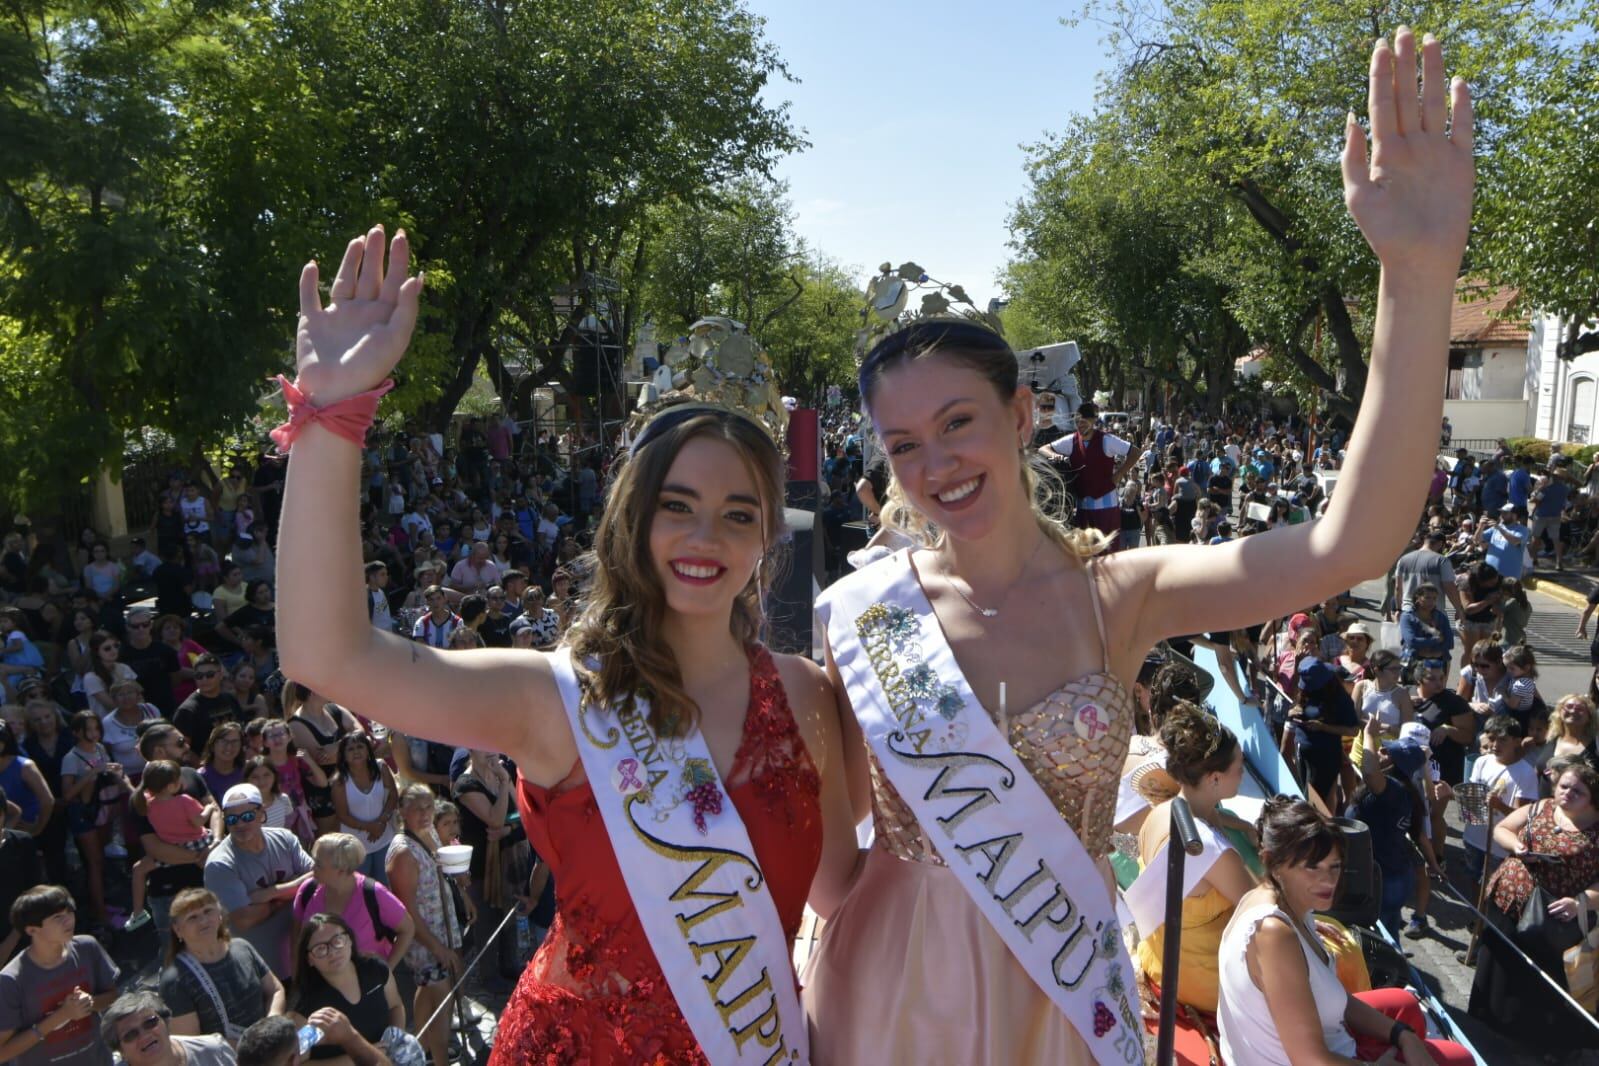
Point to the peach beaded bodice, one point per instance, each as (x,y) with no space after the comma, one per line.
(1079,775)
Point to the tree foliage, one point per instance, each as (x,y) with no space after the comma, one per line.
(1197,212)
(1539,220)
(169,165)
(735,253)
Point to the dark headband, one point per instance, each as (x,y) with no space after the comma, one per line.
(927,335)
(675,416)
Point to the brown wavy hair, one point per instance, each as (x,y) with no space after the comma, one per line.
(614,641)
(980,349)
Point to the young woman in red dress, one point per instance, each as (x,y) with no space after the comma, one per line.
(684,554)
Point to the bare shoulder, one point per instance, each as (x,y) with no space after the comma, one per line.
(810,697)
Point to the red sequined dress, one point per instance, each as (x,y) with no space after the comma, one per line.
(594,993)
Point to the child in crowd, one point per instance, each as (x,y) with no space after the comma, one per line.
(1512,782)
(176,818)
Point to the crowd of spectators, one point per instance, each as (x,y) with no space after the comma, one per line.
(158,770)
(1384,721)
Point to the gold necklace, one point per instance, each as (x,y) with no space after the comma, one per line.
(993,612)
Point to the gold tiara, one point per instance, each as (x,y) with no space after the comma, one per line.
(887,309)
(717,363)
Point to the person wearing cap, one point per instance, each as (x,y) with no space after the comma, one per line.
(1357,648)
(255,872)
(1505,540)
(1548,506)
(1323,716)
(1390,803)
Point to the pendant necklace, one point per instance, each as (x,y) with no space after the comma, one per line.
(993,612)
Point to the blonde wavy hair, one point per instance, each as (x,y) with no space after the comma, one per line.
(1557,725)
(986,352)
(615,641)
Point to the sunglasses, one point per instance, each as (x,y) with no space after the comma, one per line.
(149,1025)
(203,675)
(328,947)
(231,820)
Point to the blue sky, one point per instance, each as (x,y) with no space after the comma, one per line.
(916,114)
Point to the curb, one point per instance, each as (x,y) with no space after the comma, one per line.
(1554,590)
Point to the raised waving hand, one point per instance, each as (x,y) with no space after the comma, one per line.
(352,343)
(1411,194)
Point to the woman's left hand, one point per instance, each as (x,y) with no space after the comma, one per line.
(1414,1050)
(1564,908)
(1411,196)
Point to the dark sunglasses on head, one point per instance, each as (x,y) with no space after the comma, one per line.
(149,1025)
(231,820)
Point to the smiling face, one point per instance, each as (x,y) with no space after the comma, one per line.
(954,443)
(707,532)
(1313,886)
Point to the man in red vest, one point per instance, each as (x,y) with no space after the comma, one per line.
(1096,462)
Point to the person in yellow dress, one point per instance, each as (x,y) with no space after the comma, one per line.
(1205,759)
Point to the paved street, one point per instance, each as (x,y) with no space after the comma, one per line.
(1563,667)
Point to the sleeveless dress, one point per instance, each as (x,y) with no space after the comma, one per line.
(594,994)
(908,969)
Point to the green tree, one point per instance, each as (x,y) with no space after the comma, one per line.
(1538,226)
(123,277)
(1237,107)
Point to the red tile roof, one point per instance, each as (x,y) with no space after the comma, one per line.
(1478,321)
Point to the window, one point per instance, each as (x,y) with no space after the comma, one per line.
(1465,375)
(1579,410)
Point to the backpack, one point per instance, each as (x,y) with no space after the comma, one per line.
(369,891)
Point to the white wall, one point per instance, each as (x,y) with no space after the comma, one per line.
(1504,374)
(1488,419)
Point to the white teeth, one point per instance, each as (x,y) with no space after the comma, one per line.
(959,492)
(695,571)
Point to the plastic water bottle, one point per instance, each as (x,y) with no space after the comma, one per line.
(524,936)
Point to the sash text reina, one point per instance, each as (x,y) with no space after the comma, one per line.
(766,1026)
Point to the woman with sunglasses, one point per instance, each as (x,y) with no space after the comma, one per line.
(746,742)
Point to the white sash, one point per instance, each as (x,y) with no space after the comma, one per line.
(1022,865)
(1146,896)
(696,886)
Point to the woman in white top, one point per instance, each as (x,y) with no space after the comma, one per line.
(104,671)
(1381,696)
(366,797)
(1486,678)
(1281,1001)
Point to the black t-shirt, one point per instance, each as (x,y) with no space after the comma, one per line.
(199,714)
(1439,711)
(368,1016)
(20,870)
(495,630)
(49,759)
(154,667)
(172,584)
(168,881)
(251,615)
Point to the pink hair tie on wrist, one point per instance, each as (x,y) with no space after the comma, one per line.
(349,418)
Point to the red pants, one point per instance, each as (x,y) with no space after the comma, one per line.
(1401,1006)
